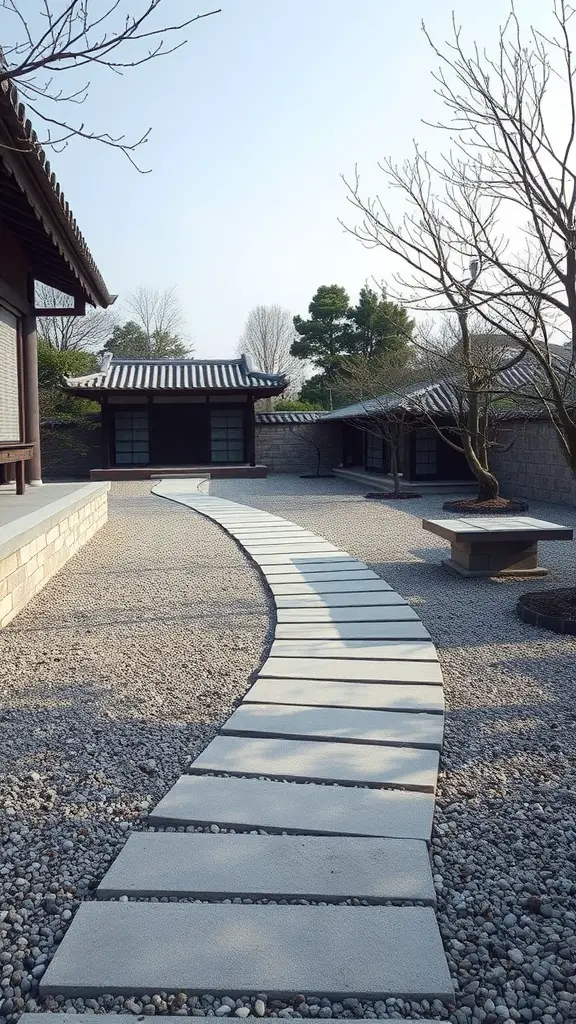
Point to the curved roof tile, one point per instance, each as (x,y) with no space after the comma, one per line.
(178,375)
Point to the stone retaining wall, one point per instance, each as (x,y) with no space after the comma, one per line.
(533,466)
(48,539)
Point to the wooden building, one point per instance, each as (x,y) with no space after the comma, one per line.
(169,414)
(39,241)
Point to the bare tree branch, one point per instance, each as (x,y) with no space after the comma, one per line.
(267,337)
(86,333)
(59,37)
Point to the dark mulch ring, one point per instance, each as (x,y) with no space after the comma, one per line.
(390,496)
(550,609)
(493,507)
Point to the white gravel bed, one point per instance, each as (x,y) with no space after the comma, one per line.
(126,663)
(505,827)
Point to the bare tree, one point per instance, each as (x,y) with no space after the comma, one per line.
(45,46)
(156,311)
(381,386)
(512,118)
(267,337)
(153,328)
(434,243)
(66,333)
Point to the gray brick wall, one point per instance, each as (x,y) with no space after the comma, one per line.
(533,466)
(70,451)
(284,448)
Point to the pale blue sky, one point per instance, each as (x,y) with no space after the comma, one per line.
(253,123)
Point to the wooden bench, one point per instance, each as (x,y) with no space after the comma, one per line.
(16,454)
(496,546)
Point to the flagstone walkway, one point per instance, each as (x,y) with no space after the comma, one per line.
(336,746)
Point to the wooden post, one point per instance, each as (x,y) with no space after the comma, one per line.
(20,477)
(250,431)
(105,432)
(31,400)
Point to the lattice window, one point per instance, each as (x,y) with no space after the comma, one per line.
(426,453)
(227,435)
(9,404)
(131,437)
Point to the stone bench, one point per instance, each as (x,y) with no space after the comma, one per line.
(494,546)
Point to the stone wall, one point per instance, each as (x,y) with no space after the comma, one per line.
(288,448)
(47,540)
(70,450)
(533,467)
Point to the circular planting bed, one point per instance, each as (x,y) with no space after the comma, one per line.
(493,507)
(550,609)
(390,496)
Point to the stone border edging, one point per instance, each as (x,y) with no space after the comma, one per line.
(553,623)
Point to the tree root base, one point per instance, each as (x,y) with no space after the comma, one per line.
(491,507)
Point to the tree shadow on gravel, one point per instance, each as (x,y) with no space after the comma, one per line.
(234,612)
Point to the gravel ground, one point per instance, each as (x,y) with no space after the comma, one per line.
(127,662)
(76,683)
(505,834)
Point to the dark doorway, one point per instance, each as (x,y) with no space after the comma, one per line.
(352,446)
(179,434)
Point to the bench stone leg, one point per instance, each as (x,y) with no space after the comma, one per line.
(485,558)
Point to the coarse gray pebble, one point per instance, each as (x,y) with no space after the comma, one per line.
(504,845)
(123,666)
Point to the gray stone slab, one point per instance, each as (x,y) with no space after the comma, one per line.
(342,725)
(364,616)
(497,529)
(270,537)
(343,694)
(210,866)
(275,529)
(344,576)
(281,806)
(346,630)
(323,586)
(262,523)
(395,650)
(290,557)
(342,599)
(300,560)
(137,948)
(296,547)
(324,564)
(280,539)
(363,671)
(348,571)
(342,613)
(243,522)
(304,760)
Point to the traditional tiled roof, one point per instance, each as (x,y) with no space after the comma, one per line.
(122,375)
(437,398)
(288,416)
(26,151)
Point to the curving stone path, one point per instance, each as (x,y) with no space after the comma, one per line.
(336,746)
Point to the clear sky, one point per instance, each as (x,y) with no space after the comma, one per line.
(253,123)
